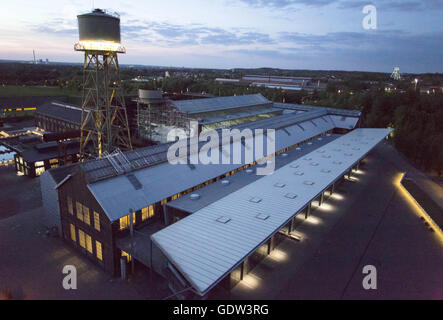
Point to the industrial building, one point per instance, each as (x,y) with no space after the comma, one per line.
(157,116)
(276,82)
(58,117)
(96,204)
(24,106)
(33,156)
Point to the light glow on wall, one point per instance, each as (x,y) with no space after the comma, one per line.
(417,208)
(278,255)
(250,281)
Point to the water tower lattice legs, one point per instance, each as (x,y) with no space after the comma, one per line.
(105,124)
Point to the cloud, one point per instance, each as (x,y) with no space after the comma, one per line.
(171,35)
(391,5)
(356,51)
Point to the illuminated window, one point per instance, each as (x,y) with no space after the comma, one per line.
(147,213)
(39,164)
(89,243)
(165,201)
(53,161)
(86,216)
(127,256)
(70,207)
(82,238)
(98,249)
(73,237)
(96,221)
(39,171)
(79,209)
(125,223)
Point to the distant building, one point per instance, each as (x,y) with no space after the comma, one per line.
(157,117)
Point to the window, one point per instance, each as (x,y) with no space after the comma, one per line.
(98,250)
(127,256)
(89,243)
(96,221)
(39,171)
(82,238)
(86,216)
(147,213)
(125,223)
(79,208)
(73,237)
(70,207)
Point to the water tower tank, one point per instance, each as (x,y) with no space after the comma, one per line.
(100,31)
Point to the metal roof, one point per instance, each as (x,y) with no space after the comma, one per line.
(216,191)
(61,111)
(306,108)
(221,103)
(117,195)
(205,250)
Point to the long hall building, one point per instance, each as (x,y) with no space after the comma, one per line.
(109,208)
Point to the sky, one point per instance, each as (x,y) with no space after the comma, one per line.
(289,34)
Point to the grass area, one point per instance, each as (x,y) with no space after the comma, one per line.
(36,91)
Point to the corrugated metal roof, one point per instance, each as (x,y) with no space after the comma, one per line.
(205,251)
(216,191)
(116,195)
(61,111)
(221,103)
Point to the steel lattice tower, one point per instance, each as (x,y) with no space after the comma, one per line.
(105,126)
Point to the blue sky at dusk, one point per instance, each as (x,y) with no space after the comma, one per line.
(290,34)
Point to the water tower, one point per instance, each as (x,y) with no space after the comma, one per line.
(105,125)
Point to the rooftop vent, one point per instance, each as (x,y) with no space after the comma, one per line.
(314,164)
(262,216)
(326,156)
(284,155)
(336,150)
(294,165)
(249,171)
(307,158)
(134,181)
(298,148)
(299,173)
(255,200)
(320,139)
(309,143)
(223,220)
(325,170)
(337,162)
(346,144)
(309,183)
(356,148)
(290,195)
(225,182)
(279,185)
(195,196)
(321,151)
(348,154)
(328,135)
